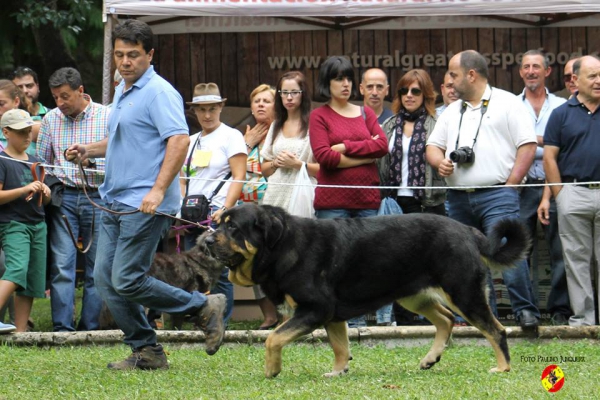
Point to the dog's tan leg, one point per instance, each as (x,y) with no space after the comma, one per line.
(444,322)
(493,331)
(499,343)
(425,303)
(337,332)
(280,337)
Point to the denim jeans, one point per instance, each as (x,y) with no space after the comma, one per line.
(224,286)
(482,209)
(558,299)
(128,244)
(78,210)
(356,322)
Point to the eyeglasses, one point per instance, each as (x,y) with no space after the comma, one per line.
(567,77)
(286,93)
(414,91)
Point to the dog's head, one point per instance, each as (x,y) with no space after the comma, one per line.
(243,232)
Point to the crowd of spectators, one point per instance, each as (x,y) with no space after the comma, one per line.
(482,155)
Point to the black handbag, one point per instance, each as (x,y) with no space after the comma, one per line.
(195,207)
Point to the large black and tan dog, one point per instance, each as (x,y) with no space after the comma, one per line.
(333,270)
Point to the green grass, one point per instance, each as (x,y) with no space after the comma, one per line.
(236,372)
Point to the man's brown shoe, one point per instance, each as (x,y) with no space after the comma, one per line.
(211,321)
(147,357)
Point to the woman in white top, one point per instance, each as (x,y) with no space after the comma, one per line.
(214,152)
(287,146)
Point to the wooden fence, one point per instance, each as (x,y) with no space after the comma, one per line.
(238,62)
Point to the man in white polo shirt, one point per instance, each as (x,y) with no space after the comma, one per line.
(486,139)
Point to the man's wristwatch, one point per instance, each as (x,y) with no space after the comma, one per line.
(92,163)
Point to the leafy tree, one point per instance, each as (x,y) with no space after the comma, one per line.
(50,34)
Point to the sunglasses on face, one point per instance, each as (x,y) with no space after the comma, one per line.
(567,77)
(414,91)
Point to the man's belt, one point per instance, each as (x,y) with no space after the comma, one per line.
(568,179)
(471,190)
(80,189)
(531,181)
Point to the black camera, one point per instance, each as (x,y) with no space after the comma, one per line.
(463,155)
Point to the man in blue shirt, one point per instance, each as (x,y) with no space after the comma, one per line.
(539,104)
(571,145)
(145,150)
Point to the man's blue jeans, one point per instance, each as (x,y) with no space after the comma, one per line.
(482,209)
(78,210)
(356,322)
(128,244)
(558,299)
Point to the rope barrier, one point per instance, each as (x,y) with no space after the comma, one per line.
(522,185)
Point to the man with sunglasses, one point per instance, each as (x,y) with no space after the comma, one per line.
(570,84)
(374,87)
(539,104)
(480,144)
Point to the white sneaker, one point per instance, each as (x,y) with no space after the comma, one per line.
(7,328)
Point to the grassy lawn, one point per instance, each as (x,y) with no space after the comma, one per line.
(235,372)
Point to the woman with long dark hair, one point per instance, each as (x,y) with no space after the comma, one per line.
(287,145)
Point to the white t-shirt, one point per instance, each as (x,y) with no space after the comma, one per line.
(222,143)
(504,128)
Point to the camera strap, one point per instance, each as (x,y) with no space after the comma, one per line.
(463,108)
(187,172)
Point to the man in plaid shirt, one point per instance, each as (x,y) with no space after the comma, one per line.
(76,119)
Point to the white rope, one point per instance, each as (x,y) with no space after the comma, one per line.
(101,172)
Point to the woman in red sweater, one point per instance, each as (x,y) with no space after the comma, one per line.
(346,139)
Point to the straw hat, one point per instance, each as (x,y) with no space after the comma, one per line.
(206,93)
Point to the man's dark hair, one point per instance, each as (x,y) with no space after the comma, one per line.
(472,60)
(537,53)
(65,76)
(134,31)
(334,67)
(20,72)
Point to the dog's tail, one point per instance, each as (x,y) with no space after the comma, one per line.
(508,242)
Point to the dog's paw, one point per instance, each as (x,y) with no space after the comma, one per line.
(497,369)
(333,374)
(428,362)
(272,371)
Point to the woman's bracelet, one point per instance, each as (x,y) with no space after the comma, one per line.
(248,146)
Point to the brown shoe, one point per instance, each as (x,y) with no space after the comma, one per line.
(147,357)
(211,321)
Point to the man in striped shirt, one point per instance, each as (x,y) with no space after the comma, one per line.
(76,119)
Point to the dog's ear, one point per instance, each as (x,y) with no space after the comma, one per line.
(271,225)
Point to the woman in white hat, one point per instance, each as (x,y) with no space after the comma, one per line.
(215,152)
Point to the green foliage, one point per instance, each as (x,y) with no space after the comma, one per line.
(67,13)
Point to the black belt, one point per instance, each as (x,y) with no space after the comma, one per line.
(568,179)
(80,189)
(470,190)
(535,181)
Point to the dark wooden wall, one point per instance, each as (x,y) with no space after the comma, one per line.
(238,62)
